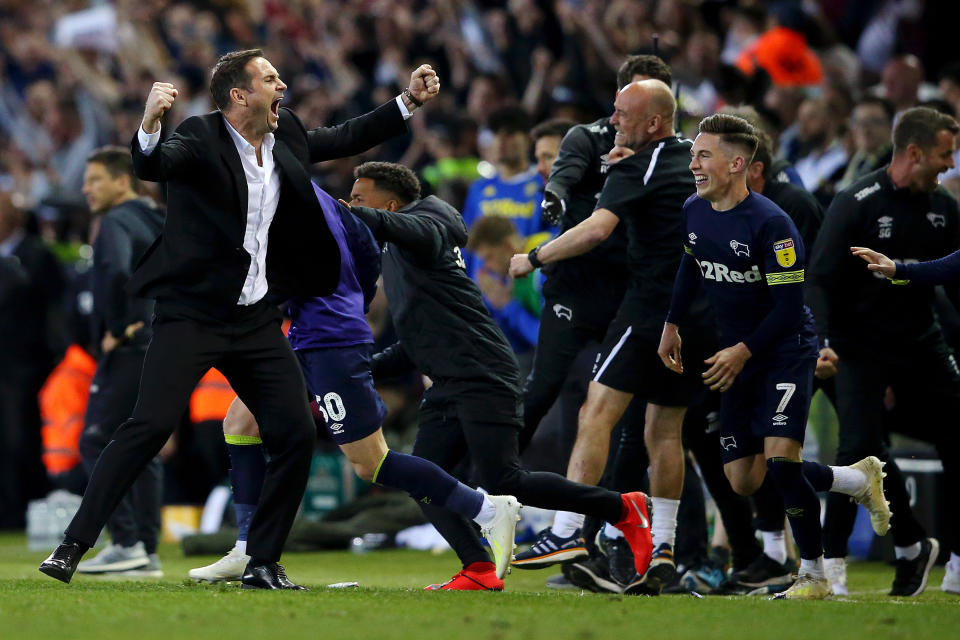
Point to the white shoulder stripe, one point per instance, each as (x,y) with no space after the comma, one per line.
(653,163)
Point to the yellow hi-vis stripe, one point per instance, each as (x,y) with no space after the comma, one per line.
(785,277)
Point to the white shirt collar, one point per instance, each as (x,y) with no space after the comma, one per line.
(241,143)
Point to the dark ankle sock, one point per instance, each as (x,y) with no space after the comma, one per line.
(480,567)
(801,504)
(426,482)
(819,475)
(769,506)
(249,467)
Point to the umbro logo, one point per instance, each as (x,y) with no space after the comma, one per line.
(693,238)
(779,420)
(336,427)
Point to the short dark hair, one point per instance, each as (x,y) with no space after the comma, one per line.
(117,161)
(877,101)
(392,177)
(490,231)
(764,153)
(231,71)
(643,65)
(553,127)
(509,119)
(920,126)
(732,130)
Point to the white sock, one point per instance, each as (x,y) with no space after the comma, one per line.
(848,480)
(611,531)
(664,524)
(775,545)
(954,563)
(813,568)
(565,523)
(908,553)
(488,511)
(830,563)
(242,546)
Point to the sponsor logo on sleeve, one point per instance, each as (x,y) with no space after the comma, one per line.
(785,252)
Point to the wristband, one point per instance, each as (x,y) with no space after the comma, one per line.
(410,97)
(534,258)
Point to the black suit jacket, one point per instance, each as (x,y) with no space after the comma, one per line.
(199,259)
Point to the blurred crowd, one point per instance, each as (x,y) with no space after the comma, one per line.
(827,77)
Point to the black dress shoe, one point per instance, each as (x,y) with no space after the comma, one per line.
(63,562)
(268,575)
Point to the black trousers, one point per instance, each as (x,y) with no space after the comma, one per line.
(113,395)
(483,425)
(253,354)
(926,387)
(567,325)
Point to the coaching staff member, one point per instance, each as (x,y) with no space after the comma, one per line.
(242,216)
(885,335)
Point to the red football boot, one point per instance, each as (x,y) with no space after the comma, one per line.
(635,525)
(478,576)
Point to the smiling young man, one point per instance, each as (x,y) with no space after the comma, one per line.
(889,336)
(749,255)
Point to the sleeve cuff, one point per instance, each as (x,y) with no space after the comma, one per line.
(406,113)
(148,141)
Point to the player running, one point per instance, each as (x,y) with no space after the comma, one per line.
(749,255)
(332,341)
(474,406)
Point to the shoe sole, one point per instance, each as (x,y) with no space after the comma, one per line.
(559,556)
(587,579)
(114,567)
(873,467)
(56,574)
(658,576)
(216,580)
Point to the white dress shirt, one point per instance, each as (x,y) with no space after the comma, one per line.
(263,195)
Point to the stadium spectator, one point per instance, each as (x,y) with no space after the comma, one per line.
(514,305)
(823,155)
(870,124)
(514,192)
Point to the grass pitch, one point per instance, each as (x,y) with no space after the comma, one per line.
(390,603)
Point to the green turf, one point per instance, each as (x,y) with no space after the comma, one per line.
(391,604)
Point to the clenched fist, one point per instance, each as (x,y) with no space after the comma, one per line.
(159,101)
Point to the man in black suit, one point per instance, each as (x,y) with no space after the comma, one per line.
(242,217)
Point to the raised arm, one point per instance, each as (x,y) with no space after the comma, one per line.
(155,161)
(386,121)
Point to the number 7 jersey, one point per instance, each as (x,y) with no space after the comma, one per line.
(748,257)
